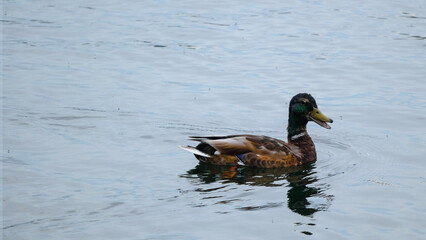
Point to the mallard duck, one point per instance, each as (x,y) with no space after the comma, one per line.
(262,151)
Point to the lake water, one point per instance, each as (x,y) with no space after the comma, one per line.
(97,95)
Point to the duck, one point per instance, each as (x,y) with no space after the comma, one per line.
(260,151)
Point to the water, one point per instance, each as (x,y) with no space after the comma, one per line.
(97,96)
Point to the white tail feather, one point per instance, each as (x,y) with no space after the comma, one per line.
(194,151)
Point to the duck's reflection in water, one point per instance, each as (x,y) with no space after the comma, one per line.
(305,195)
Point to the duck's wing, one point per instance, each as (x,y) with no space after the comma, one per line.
(240,144)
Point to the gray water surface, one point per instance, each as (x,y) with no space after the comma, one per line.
(97,95)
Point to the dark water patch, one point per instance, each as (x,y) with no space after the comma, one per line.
(226,201)
(255,208)
(37,23)
(418,37)
(411,15)
(112,205)
(87,109)
(188,46)
(41,21)
(5,21)
(86,7)
(93,213)
(212,197)
(210,189)
(147,137)
(35,221)
(218,24)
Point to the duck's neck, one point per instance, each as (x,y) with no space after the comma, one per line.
(298,136)
(296,125)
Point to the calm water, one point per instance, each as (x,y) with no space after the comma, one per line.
(97,95)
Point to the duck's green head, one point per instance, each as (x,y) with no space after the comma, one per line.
(303,108)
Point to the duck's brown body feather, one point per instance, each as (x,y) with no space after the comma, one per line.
(255,151)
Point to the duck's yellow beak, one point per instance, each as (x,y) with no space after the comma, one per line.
(318,117)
